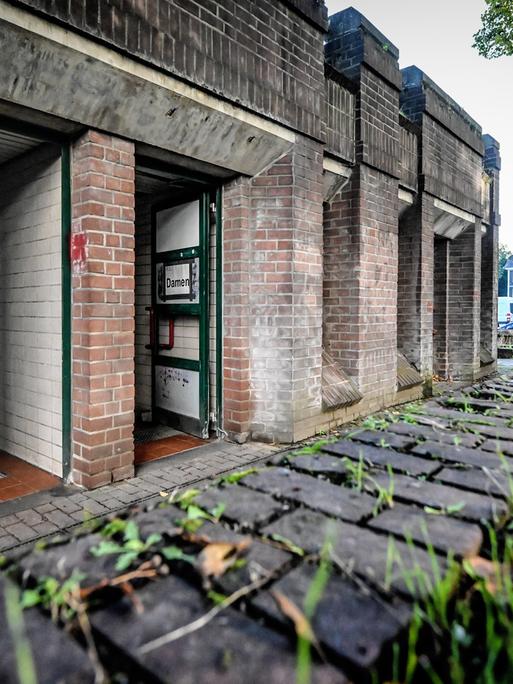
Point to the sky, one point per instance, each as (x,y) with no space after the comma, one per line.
(436,36)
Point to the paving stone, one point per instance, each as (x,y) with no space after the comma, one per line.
(363,551)
(477,506)
(65,504)
(425,432)
(498,446)
(261,559)
(62,560)
(352,624)
(29,517)
(45,528)
(246,507)
(474,420)
(229,649)
(8,520)
(7,541)
(496,432)
(492,482)
(46,508)
(377,456)
(319,464)
(62,520)
(21,531)
(341,502)
(48,646)
(158,521)
(443,532)
(458,454)
(463,401)
(381,438)
(94,507)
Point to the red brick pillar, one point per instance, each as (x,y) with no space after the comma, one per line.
(103,309)
(415,286)
(236,316)
(465,303)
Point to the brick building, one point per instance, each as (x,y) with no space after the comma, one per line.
(233,218)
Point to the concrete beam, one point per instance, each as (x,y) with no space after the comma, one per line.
(52,70)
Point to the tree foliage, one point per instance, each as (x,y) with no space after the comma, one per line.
(495,37)
(504,254)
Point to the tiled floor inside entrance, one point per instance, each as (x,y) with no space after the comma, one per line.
(18,478)
(153,443)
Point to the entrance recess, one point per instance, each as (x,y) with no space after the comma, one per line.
(179,315)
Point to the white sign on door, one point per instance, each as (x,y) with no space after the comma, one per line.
(177,280)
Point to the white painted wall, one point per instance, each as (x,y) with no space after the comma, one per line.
(30,308)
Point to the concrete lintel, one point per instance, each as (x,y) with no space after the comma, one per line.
(455,211)
(101,88)
(335,177)
(406,200)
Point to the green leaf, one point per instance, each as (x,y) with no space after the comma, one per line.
(131,531)
(113,527)
(194,512)
(106,548)
(233,478)
(172,553)
(293,548)
(216,597)
(154,538)
(30,598)
(218,510)
(184,499)
(455,508)
(126,560)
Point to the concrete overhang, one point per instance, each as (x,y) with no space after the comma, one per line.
(335,176)
(450,221)
(406,199)
(52,70)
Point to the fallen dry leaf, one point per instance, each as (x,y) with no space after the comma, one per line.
(217,557)
(485,569)
(301,623)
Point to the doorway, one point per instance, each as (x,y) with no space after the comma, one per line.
(175,310)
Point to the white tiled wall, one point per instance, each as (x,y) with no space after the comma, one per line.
(30,308)
(142,300)
(186,332)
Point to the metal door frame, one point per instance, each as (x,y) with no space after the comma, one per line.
(201,310)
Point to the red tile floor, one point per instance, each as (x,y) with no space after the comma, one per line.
(169,446)
(18,478)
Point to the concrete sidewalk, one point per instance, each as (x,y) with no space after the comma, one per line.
(37,515)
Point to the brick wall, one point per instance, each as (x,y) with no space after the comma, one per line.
(30,308)
(465,303)
(360,286)
(339,115)
(441,307)
(237,407)
(261,53)
(408,154)
(273,296)
(103,309)
(415,286)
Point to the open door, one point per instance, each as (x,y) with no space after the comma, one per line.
(179,318)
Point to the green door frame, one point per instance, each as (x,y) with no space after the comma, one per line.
(200,310)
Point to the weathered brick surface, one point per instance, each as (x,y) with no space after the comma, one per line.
(464,295)
(103,309)
(272,256)
(415,286)
(261,53)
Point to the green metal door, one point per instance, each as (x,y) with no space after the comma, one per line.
(180,314)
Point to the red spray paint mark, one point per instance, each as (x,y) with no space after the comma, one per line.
(78,251)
